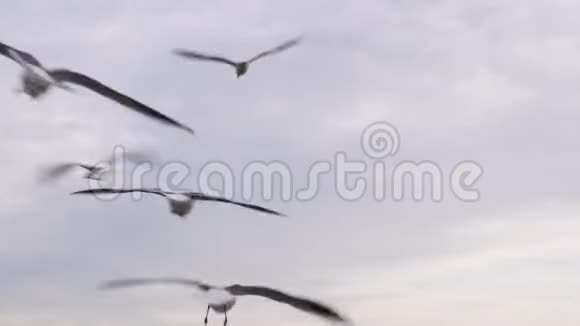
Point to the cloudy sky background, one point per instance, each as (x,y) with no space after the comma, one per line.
(490,81)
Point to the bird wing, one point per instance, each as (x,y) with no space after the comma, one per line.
(132,282)
(57,171)
(118,191)
(200,196)
(64,75)
(86,166)
(282,47)
(6,50)
(303,304)
(200,56)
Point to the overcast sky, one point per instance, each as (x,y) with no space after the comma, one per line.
(494,82)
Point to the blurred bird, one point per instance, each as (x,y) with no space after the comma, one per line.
(37,81)
(241,66)
(180,203)
(93,171)
(223,299)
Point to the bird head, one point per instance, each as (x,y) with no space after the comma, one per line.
(180,206)
(241,69)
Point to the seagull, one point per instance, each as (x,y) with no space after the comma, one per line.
(241,66)
(93,171)
(37,81)
(180,203)
(223,299)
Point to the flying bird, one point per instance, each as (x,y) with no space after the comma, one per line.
(180,203)
(93,171)
(223,299)
(240,66)
(37,80)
